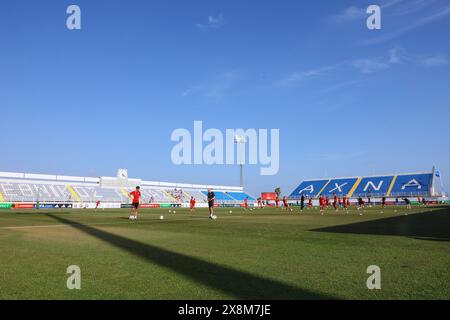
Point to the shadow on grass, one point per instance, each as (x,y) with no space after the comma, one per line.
(240,284)
(429,225)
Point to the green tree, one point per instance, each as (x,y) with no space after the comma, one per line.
(278,192)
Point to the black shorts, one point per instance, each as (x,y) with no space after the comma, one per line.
(135,205)
(211,204)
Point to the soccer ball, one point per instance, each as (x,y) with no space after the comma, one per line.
(161,217)
(174,211)
(170,211)
(231,211)
(214,217)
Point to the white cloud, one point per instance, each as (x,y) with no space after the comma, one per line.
(398,56)
(435,16)
(369,65)
(350,14)
(395,56)
(434,61)
(411,14)
(410,6)
(212,22)
(299,76)
(217,87)
(353,13)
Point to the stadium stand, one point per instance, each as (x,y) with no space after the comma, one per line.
(399,185)
(220,196)
(23,187)
(240,196)
(231,197)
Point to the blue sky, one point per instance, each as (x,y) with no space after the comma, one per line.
(347,100)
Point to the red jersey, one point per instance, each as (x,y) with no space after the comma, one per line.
(136,195)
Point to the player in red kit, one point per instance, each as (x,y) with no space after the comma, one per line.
(246,203)
(192,204)
(327,202)
(321,204)
(259,203)
(136,198)
(286,204)
(277,202)
(97,204)
(344,203)
(310,203)
(335,202)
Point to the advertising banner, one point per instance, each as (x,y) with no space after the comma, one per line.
(46,206)
(149,205)
(5,205)
(268,195)
(54,206)
(23,206)
(102,205)
(111,205)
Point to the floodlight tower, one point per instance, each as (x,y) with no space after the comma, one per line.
(240,141)
(38,197)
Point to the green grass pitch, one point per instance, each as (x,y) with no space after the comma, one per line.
(259,254)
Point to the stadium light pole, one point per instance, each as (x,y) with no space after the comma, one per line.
(240,141)
(38,197)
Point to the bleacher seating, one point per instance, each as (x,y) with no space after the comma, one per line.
(220,196)
(374,186)
(240,196)
(340,187)
(402,185)
(230,196)
(198,195)
(62,189)
(30,192)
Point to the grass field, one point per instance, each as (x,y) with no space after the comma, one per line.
(262,254)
